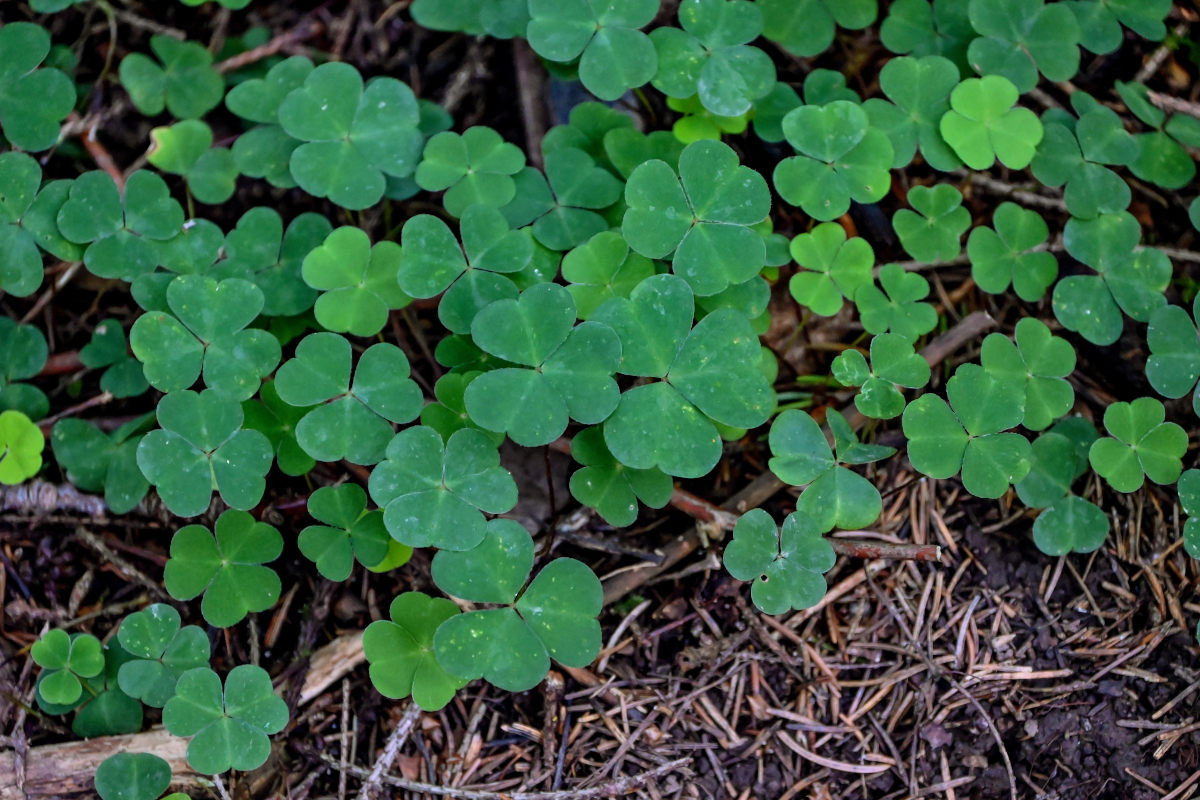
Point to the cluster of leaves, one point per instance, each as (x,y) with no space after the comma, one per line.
(617,293)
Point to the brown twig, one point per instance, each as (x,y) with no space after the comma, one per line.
(396,740)
(531,83)
(62,364)
(98,400)
(1159,55)
(100,155)
(296,35)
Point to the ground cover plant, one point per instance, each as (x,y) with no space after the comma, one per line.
(314,313)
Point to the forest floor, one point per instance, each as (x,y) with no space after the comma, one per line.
(994,672)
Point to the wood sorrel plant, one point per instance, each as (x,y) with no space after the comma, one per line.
(615,295)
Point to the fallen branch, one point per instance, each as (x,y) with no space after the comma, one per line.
(296,35)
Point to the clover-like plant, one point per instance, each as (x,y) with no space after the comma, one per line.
(611,488)
(400,651)
(66,660)
(1129,279)
(697,122)
(121,229)
(836,496)
(473,167)
(564,207)
(985,124)
(934,234)
(929,27)
(1057,459)
(511,646)
(786,565)
(433,494)
(702,216)
(207,335)
(21,266)
(1162,155)
(587,127)
(265,151)
(472,275)
(226,567)
(33,101)
(1100,22)
(893,363)
(123,375)
(1079,157)
(353,137)
(228,725)
(134,776)
(502,19)
(21,445)
(1007,254)
(897,307)
(603,268)
(277,420)
(186,149)
(668,424)
(1039,360)
(627,149)
(104,709)
(193,250)
(1018,39)
(201,446)
(1174,362)
(841,157)
(23,353)
(357,282)
(968,434)
(448,412)
(806,27)
(1140,445)
(95,461)
(351,420)
(710,54)
(350,531)
(259,249)
(183,82)
(161,650)
(1188,487)
(561,371)
(614,55)
(919,91)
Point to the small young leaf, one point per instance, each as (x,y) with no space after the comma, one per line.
(21,445)
(934,234)
(349,532)
(898,311)
(184,82)
(1003,256)
(1141,445)
(839,267)
(786,566)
